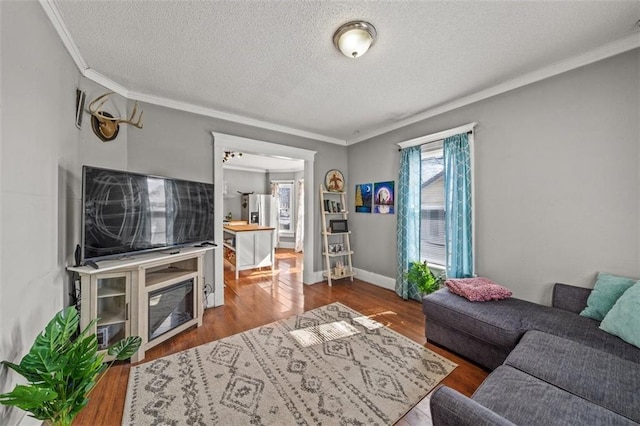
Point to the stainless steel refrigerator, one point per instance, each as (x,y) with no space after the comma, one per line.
(261,209)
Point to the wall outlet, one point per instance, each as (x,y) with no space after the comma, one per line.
(209,297)
(210,300)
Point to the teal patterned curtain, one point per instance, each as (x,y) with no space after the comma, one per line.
(457,200)
(408,232)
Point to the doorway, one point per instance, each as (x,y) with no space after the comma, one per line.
(228,143)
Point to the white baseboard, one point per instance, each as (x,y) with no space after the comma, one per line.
(316,278)
(287,245)
(370,277)
(376,279)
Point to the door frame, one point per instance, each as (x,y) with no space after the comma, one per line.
(223,142)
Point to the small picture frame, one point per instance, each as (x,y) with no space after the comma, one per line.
(338,226)
(336,248)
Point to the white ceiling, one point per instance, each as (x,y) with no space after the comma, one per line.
(272,64)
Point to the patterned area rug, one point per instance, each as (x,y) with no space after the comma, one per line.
(266,376)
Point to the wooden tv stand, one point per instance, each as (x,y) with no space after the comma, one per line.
(118,294)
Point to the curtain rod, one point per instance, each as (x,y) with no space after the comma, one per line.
(466,128)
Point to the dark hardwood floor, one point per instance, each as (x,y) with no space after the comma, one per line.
(259,298)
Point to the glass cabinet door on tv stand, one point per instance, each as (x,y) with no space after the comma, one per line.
(108,301)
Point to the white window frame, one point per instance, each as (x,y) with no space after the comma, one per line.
(292,208)
(432,149)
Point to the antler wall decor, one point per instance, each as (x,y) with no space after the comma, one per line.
(105,125)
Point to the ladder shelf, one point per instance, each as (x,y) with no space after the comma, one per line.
(336,243)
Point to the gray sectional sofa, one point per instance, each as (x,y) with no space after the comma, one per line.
(550,365)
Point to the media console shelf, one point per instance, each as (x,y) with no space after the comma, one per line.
(153,295)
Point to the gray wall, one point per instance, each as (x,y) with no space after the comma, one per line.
(245,181)
(179,144)
(556,179)
(40,150)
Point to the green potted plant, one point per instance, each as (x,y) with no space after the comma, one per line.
(62,369)
(421,276)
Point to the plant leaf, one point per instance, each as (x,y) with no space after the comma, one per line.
(57,334)
(125,348)
(82,356)
(28,398)
(47,353)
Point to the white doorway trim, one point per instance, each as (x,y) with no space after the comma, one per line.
(223,142)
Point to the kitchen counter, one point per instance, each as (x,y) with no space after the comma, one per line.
(246,228)
(248,246)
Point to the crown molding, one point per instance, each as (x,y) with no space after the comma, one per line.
(100,79)
(53,13)
(619,46)
(210,112)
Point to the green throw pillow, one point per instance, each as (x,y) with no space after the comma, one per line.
(606,292)
(623,320)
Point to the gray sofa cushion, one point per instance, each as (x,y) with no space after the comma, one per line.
(582,330)
(588,373)
(481,352)
(498,322)
(569,297)
(525,400)
(450,408)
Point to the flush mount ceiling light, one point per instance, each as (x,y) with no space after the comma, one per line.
(354,38)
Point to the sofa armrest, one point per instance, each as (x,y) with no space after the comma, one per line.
(569,297)
(451,408)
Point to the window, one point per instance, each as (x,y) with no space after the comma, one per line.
(286,218)
(436,205)
(432,237)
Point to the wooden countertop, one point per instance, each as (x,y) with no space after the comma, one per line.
(235,222)
(245,228)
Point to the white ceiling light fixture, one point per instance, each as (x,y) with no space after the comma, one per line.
(354,38)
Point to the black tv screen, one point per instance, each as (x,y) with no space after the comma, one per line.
(125,212)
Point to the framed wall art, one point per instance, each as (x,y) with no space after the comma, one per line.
(383,197)
(364,198)
(334,181)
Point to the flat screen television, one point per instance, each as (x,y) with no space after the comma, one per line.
(126,212)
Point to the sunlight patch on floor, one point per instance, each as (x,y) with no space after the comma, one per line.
(368,323)
(323,333)
(380,316)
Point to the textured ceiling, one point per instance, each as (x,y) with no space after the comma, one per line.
(274,60)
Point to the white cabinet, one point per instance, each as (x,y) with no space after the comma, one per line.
(248,247)
(245,250)
(263,249)
(154,296)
